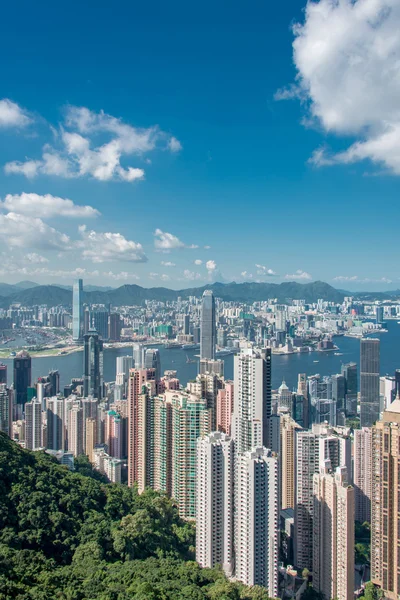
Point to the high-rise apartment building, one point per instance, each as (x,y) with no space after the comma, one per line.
(22,380)
(288,428)
(77,310)
(207,386)
(369,381)
(93,365)
(363,473)
(256,519)
(333,533)
(33,425)
(90,438)
(214,497)
(207,326)
(191,419)
(138,379)
(75,430)
(225,407)
(252,399)
(139,351)
(385,502)
(303,391)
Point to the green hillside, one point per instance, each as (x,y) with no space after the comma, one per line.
(68,536)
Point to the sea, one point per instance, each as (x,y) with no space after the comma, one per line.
(284,368)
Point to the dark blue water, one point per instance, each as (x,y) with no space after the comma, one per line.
(283,367)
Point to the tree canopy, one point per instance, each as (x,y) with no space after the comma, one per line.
(69,536)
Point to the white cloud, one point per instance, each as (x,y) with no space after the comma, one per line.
(165,242)
(198,262)
(26,232)
(102,247)
(207,247)
(262,270)
(174,145)
(246,275)
(12,115)
(46,206)
(34,258)
(191,275)
(79,152)
(211,265)
(299,275)
(167,263)
(347,55)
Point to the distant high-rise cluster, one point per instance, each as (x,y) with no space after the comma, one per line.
(278,481)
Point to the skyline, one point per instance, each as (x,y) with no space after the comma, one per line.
(141,164)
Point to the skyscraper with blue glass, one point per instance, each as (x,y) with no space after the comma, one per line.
(77,310)
(207,326)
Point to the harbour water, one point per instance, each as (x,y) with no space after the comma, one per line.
(283,367)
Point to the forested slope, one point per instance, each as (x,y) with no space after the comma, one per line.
(68,536)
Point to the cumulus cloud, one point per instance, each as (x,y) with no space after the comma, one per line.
(165,242)
(198,262)
(191,275)
(12,115)
(262,270)
(21,231)
(101,247)
(246,275)
(174,145)
(211,265)
(11,267)
(46,206)
(34,258)
(80,150)
(167,263)
(299,274)
(347,56)
(163,276)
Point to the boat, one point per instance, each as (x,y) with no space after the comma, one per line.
(338,353)
(316,361)
(190,361)
(398,322)
(171,345)
(190,346)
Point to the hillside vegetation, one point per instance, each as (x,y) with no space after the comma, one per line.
(69,536)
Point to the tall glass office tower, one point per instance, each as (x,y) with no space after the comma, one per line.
(77,310)
(369,381)
(207,326)
(93,365)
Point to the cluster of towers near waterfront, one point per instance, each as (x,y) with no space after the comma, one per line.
(240,466)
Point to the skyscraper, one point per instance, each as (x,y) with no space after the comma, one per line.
(288,428)
(349,372)
(207,326)
(138,355)
(55,423)
(3,373)
(252,399)
(93,365)
(152,361)
(214,498)
(77,310)
(33,425)
(256,519)
(75,430)
(333,533)
(369,381)
(225,407)
(114,327)
(385,502)
(22,379)
(363,473)
(5,410)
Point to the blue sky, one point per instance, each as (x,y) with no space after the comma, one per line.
(204,124)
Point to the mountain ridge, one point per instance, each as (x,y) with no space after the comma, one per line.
(133,294)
